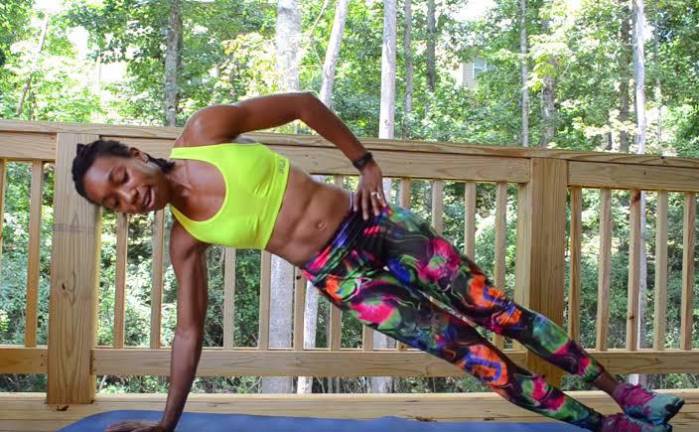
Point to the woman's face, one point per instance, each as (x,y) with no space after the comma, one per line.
(127,185)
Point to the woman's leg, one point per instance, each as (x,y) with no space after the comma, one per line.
(380,301)
(417,255)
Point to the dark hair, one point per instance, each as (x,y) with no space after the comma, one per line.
(87,153)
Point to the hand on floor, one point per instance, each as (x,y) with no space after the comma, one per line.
(136,426)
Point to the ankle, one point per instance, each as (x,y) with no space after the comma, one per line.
(608,384)
(620,391)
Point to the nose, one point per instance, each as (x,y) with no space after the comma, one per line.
(129,195)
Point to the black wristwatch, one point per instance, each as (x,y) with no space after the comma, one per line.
(363,161)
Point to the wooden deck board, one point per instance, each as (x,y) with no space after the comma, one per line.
(24,412)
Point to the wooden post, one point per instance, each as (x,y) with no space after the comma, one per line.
(74,270)
(541,246)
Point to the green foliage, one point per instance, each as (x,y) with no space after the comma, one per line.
(14,16)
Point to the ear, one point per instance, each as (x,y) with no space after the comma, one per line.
(134,152)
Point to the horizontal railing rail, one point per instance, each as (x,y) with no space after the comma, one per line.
(544,187)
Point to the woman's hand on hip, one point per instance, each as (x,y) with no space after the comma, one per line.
(370,195)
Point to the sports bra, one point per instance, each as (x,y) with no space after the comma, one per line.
(255,178)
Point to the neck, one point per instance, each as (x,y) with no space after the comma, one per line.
(179,185)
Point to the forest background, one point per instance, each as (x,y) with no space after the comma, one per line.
(602,75)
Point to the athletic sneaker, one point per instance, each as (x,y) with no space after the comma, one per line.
(649,406)
(624,423)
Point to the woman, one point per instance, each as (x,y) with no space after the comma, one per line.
(377,262)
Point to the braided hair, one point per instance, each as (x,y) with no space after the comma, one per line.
(87,153)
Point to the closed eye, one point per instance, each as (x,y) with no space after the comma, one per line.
(121,177)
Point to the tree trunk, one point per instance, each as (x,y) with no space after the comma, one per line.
(548,110)
(172,63)
(388,71)
(658,90)
(431,43)
(639,69)
(288,36)
(332,53)
(407,48)
(524,70)
(35,61)
(639,72)
(288,33)
(624,62)
(386,130)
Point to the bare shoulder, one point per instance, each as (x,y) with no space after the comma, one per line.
(182,245)
(214,124)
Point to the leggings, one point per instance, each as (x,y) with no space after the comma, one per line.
(396,275)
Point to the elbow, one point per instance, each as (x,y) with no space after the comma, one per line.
(308,105)
(308,96)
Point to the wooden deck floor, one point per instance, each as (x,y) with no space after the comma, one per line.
(24,412)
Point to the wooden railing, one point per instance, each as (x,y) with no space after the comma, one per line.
(543,181)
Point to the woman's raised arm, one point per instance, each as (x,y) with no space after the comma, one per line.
(223,123)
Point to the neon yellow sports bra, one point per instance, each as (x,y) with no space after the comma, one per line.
(255,179)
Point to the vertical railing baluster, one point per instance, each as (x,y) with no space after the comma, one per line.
(299,309)
(661,235)
(265,293)
(688,243)
(157,271)
(34,253)
(335,336)
(229,298)
(500,238)
(634,287)
(575,291)
(120,286)
(605,268)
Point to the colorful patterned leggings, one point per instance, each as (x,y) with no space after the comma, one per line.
(398,276)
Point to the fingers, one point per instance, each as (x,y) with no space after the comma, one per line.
(365,204)
(377,202)
(120,427)
(129,426)
(369,202)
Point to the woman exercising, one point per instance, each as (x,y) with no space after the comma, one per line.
(377,262)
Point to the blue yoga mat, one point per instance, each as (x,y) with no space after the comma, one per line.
(198,422)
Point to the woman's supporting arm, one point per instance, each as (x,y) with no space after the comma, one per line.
(189,261)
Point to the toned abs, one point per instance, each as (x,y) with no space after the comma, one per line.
(310,214)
